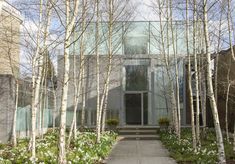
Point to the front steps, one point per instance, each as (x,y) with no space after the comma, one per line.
(138,133)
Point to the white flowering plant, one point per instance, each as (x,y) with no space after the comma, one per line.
(82,150)
(183,152)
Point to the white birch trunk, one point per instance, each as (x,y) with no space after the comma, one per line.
(36,79)
(196,75)
(54,103)
(110,56)
(189,80)
(82,66)
(166,60)
(14,138)
(78,83)
(70,21)
(219,137)
(98,110)
(178,116)
(230,29)
(83,98)
(227,98)
(226,111)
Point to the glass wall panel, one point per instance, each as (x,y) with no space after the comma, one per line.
(117,37)
(155,38)
(131,38)
(133,109)
(136,77)
(136,38)
(90,39)
(103,38)
(145,105)
(161,93)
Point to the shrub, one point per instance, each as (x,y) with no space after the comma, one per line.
(164,121)
(112,122)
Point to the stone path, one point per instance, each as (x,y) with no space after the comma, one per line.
(139,152)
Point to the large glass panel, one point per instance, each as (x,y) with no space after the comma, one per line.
(89,39)
(136,77)
(145,105)
(117,38)
(133,109)
(136,38)
(155,38)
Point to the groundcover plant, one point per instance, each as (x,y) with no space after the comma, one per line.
(82,150)
(182,150)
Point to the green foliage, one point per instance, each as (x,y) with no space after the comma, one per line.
(83,149)
(182,150)
(164,121)
(112,122)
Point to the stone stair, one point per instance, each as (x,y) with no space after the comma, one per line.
(138,133)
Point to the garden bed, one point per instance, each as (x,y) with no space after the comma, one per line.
(183,152)
(83,150)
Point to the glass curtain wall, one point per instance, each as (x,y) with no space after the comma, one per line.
(133,38)
(136,91)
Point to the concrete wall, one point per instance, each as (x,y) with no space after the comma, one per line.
(7,99)
(116,103)
(9,65)
(115,89)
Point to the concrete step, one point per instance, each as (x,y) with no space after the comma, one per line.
(136,131)
(138,128)
(139,137)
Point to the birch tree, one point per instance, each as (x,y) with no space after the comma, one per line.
(70,18)
(211,96)
(98,110)
(104,98)
(189,79)
(227,98)
(196,74)
(115,11)
(230,29)
(166,53)
(177,115)
(36,79)
(78,81)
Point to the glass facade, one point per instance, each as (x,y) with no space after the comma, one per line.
(145,85)
(136,77)
(131,38)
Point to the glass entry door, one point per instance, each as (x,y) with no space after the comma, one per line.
(136,108)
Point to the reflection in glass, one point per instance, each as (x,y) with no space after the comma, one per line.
(136,39)
(133,109)
(145,105)
(136,77)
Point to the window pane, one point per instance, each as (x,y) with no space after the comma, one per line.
(136,77)
(136,40)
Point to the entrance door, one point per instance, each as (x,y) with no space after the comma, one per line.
(136,108)
(133,109)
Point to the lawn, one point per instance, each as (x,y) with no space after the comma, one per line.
(183,152)
(83,150)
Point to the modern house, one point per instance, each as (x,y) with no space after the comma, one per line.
(10,20)
(139,83)
(225,81)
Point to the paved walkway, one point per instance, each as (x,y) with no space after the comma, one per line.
(139,152)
